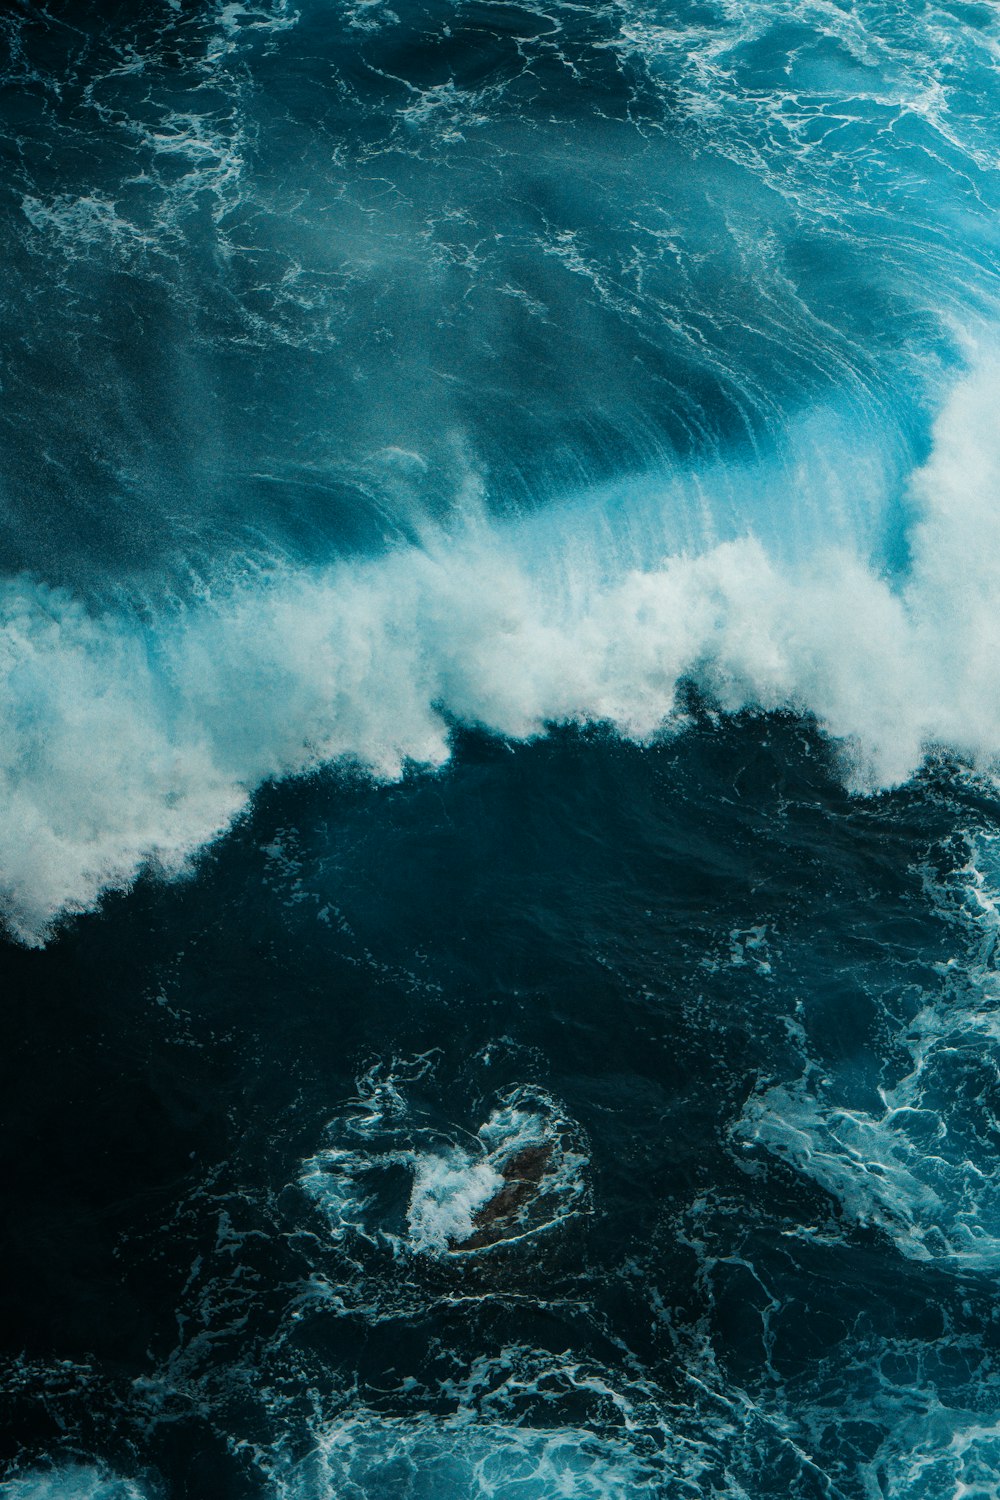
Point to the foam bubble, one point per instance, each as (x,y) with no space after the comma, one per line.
(132,741)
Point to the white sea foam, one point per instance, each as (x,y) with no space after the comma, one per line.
(896,1169)
(128,742)
(448,1190)
(922,1166)
(956,1455)
(378,1144)
(464,1459)
(75,1482)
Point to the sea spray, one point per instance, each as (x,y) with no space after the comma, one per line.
(132,742)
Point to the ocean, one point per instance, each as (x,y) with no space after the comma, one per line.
(500,754)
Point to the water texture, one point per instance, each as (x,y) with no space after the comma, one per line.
(499,737)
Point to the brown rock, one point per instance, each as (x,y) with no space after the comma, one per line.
(503,1216)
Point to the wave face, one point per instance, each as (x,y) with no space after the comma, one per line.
(136,739)
(499,736)
(489,368)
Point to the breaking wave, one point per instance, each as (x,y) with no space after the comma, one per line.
(132,738)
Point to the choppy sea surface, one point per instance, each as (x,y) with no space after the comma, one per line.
(499,750)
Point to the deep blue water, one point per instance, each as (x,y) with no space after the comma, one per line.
(499,735)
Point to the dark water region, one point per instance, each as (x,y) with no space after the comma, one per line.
(653,937)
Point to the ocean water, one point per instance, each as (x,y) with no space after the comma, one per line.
(499,750)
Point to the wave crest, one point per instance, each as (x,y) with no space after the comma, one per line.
(131,741)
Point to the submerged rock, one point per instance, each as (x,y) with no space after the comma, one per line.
(519,1205)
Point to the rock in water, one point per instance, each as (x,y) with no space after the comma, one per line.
(519,1205)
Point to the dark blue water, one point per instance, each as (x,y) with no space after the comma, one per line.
(499,829)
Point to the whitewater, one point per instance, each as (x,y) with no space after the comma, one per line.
(132,739)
